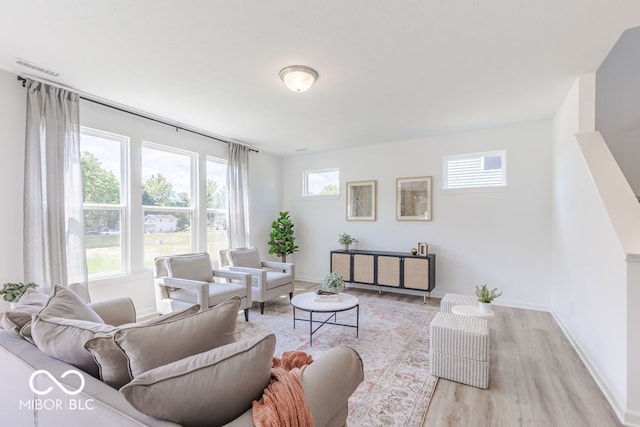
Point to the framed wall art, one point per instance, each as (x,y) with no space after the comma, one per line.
(423,249)
(361,201)
(413,199)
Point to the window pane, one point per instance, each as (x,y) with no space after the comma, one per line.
(166,178)
(103,241)
(216,208)
(475,170)
(101,170)
(321,183)
(166,233)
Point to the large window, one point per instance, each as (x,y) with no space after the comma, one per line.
(321,183)
(475,170)
(104,183)
(167,201)
(216,206)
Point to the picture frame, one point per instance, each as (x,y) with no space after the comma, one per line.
(423,249)
(413,199)
(361,201)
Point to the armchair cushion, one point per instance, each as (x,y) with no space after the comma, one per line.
(111,360)
(210,388)
(245,258)
(277,278)
(149,346)
(191,267)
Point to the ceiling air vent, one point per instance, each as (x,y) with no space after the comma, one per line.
(35,67)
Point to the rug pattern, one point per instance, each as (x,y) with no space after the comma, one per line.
(393,343)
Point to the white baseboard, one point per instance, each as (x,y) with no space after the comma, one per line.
(626,417)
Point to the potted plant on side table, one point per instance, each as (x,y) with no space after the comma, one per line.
(12,292)
(486,297)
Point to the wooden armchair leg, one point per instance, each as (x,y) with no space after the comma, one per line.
(290,296)
(246,314)
(262,308)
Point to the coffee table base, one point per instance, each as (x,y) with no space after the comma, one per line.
(326,321)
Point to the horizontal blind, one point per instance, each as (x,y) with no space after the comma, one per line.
(467,171)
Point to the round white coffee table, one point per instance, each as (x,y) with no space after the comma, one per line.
(307,302)
(472,311)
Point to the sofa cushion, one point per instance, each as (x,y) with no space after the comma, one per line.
(64,339)
(111,360)
(31,302)
(149,346)
(245,258)
(192,267)
(210,388)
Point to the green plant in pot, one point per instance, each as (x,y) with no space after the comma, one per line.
(12,292)
(486,297)
(345,240)
(333,282)
(282,242)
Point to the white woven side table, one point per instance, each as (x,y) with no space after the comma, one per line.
(460,349)
(449,300)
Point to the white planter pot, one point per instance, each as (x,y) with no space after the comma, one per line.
(484,307)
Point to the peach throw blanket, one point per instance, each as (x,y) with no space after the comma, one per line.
(283,403)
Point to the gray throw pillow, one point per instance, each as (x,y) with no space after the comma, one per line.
(210,388)
(66,304)
(31,302)
(64,339)
(149,346)
(111,360)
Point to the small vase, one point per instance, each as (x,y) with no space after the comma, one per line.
(345,247)
(484,307)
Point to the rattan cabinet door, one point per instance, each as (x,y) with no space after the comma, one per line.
(416,273)
(363,268)
(341,263)
(389,271)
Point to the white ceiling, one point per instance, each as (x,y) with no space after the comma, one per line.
(389,70)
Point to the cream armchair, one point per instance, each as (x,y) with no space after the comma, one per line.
(269,279)
(184,280)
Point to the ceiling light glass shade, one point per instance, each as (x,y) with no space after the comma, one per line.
(298,78)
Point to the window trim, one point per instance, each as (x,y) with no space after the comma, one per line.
(305,184)
(476,188)
(123,206)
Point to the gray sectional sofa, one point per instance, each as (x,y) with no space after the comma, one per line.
(327,383)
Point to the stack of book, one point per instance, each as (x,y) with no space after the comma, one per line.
(326,296)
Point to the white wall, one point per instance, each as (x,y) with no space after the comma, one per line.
(501,238)
(13,107)
(589,272)
(139,283)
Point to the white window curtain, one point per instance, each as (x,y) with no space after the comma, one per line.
(54,248)
(238,185)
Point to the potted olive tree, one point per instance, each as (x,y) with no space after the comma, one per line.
(486,297)
(282,242)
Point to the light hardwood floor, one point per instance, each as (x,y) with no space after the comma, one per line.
(536,379)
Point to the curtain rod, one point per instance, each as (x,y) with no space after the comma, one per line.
(124,110)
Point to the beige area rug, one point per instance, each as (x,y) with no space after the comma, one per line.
(393,343)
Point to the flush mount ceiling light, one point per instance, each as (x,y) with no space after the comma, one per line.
(298,78)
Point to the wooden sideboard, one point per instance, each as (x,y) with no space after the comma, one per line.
(398,270)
